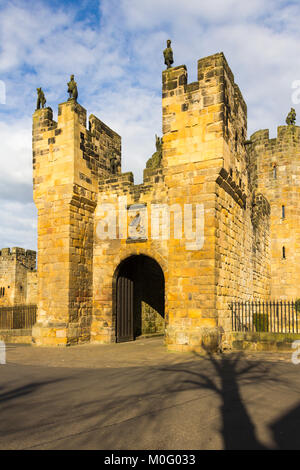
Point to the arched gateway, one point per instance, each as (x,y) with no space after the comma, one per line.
(139,298)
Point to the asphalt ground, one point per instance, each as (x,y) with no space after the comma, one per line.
(139,396)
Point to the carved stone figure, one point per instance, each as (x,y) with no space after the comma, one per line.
(291,118)
(155,160)
(113,165)
(168,55)
(72,89)
(41,100)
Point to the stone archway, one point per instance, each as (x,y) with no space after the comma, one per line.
(139,298)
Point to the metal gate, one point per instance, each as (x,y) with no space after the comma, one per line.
(125,328)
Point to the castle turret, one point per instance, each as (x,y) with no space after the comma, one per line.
(275,172)
(204,156)
(68,159)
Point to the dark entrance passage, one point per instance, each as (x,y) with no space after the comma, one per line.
(140,298)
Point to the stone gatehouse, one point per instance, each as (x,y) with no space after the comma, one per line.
(97,282)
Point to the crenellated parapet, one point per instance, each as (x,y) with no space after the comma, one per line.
(285,134)
(124,183)
(26,257)
(204,120)
(269,159)
(90,151)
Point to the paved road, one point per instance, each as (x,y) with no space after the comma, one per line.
(138,396)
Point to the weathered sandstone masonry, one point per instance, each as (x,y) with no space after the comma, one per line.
(18,277)
(204,163)
(67,161)
(205,126)
(275,173)
(239,198)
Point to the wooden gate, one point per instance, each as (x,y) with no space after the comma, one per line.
(125,328)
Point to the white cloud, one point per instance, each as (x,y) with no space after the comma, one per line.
(117,61)
(18,224)
(16,159)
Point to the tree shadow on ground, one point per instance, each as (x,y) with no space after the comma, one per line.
(229,373)
(135,407)
(21,392)
(286,430)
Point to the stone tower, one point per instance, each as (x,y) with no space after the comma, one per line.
(68,159)
(205,128)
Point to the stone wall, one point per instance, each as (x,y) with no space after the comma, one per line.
(275,173)
(242,253)
(17,276)
(109,253)
(32,288)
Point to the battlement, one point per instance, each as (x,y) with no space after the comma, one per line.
(285,135)
(214,76)
(25,257)
(96,150)
(123,184)
(205,121)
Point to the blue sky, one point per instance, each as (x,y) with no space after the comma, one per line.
(114,48)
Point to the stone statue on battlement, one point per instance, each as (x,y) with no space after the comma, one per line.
(155,160)
(168,55)
(41,100)
(72,89)
(113,165)
(291,118)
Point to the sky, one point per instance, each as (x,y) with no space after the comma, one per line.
(114,49)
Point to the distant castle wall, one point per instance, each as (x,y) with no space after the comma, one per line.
(17,273)
(275,172)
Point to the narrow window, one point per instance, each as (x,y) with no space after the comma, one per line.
(283,212)
(275,172)
(283,252)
